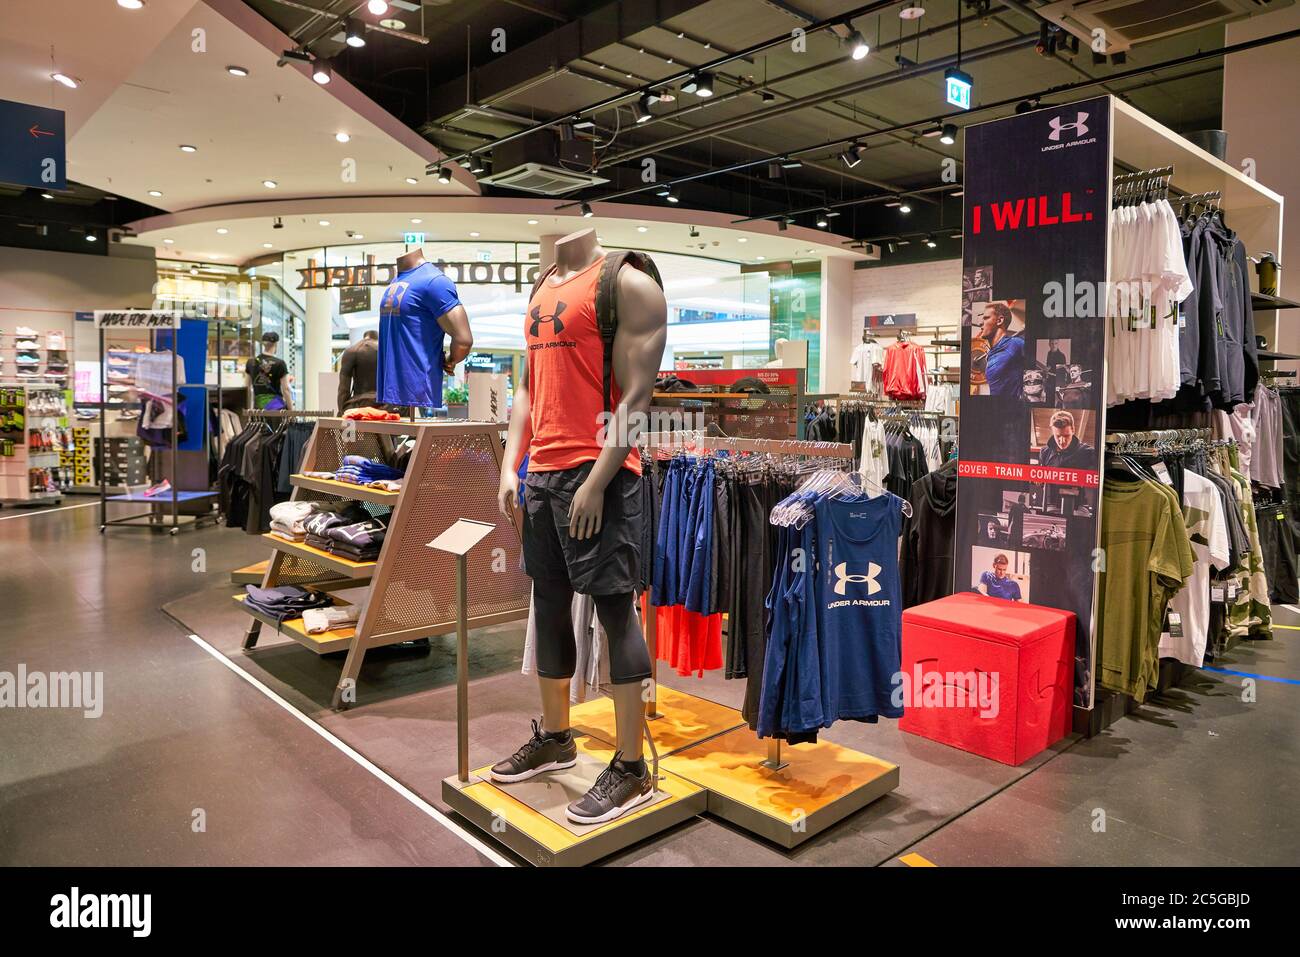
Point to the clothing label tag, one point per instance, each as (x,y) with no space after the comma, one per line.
(1182,319)
(1175,625)
(1232,591)
(1162,473)
(1280,515)
(1143,321)
(1216,593)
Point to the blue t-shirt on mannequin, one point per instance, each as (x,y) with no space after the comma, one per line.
(410,338)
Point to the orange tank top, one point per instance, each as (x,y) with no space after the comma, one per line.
(566,363)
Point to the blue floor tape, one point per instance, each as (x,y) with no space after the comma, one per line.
(1247,674)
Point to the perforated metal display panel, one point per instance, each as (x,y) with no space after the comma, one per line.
(330,448)
(459,479)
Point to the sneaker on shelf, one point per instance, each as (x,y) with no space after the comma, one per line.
(539,754)
(617,791)
(25,332)
(28,359)
(162,488)
(27,345)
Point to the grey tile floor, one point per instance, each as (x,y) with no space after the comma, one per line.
(1197,777)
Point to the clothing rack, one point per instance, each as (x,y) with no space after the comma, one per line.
(1122,441)
(289,413)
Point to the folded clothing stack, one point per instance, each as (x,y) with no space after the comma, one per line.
(288,518)
(285,601)
(359,470)
(318,620)
(355,537)
(371,414)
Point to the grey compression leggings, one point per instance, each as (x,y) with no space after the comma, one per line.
(557,652)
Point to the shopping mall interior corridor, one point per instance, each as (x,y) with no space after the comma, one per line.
(192,764)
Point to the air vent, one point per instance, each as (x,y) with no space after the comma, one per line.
(539,178)
(1127,22)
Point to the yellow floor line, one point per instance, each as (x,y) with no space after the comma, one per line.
(916,860)
(1288,627)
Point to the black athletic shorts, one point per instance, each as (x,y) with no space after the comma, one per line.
(608,563)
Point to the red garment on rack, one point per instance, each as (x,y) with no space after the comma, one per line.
(905,371)
(689,642)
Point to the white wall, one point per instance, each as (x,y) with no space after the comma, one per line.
(931,290)
(1261,114)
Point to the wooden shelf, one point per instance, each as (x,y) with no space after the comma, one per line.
(1262,302)
(361,493)
(1277,356)
(336,639)
(333,562)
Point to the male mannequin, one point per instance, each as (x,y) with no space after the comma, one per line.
(358,367)
(583,506)
(268,377)
(417,310)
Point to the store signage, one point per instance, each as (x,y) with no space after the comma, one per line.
(34,150)
(354,299)
(893,320)
(371,273)
(1032,380)
(959,86)
(137,319)
(413,239)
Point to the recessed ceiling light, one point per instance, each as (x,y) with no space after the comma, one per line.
(743,239)
(532,222)
(234,70)
(474,235)
(267,245)
(323,222)
(640,229)
(392,23)
(417,221)
(91,237)
(342,137)
(358,236)
(377,7)
(412,181)
(130,4)
(154,192)
(759,258)
(186,148)
(169,242)
(270,183)
(222,230)
(71,82)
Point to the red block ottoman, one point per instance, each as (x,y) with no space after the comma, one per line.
(989,676)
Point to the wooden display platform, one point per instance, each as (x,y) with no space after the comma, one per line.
(250,574)
(321,557)
(684,720)
(819,785)
(360,493)
(532,833)
(336,639)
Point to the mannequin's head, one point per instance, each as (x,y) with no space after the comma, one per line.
(372,334)
(270,342)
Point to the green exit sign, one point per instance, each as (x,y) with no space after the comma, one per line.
(414,239)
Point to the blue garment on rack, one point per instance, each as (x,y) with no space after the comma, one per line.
(700,544)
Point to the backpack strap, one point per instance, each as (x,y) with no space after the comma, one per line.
(607,306)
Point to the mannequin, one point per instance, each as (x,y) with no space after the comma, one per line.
(267,378)
(357,369)
(417,309)
(583,501)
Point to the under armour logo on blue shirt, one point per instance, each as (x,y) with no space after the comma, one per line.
(538,319)
(842,578)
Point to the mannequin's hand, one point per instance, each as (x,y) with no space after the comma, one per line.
(586,511)
(508,492)
(448,366)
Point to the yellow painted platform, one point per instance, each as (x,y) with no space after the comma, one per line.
(542,841)
(250,574)
(821,784)
(686,720)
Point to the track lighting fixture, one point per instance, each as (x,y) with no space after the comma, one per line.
(700,83)
(904,207)
(858,45)
(852,156)
(444,175)
(585,209)
(930,241)
(822,220)
(641,108)
(949,134)
(354,33)
(788,163)
(672,197)
(322,72)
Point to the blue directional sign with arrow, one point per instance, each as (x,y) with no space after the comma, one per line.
(33,146)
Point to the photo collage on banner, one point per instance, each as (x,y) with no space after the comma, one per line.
(1032,425)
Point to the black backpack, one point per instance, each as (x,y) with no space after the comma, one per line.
(607,303)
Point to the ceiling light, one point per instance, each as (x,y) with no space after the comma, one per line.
(929,240)
(169,242)
(666,95)
(704,84)
(357,236)
(377,7)
(47,195)
(186,148)
(914,10)
(743,239)
(774,170)
(417,222)
(767,96)
(760,258)
(641,108)
(71,82)
(860,47)
(930,132)
(130,4)
(444,175)
(342,137)
(949,135)
(904,207)
(354,33)
(788,163)
(532,222)
(322,222)
(91,237)
(268,245)
(322,72)
(222,230)
(640,229)
(392,23)
(958,192)
(194,270)
(270,183)
(477,165)
(822,221)
(852,156)
(585,209)
(237,70)
(412,181)
(474,235)
(154,192)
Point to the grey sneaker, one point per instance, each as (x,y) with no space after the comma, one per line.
(615,792)
(539,754)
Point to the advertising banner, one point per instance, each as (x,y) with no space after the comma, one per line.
(1037,195)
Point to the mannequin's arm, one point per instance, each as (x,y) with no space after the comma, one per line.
(518,437)
(638,349)
(456,324)
(347,364)
(286,391)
